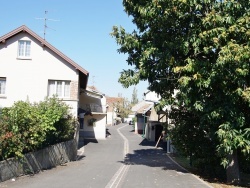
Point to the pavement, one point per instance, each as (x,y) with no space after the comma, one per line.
(123,160)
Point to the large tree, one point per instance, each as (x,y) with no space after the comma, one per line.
(202,49)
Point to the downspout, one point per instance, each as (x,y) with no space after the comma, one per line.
(144,125)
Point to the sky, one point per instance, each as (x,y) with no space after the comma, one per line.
(81,30)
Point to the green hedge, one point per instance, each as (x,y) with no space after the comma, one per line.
(29,126)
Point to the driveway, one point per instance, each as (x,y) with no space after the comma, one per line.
(123,159)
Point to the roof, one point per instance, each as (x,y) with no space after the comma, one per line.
(93,92)
(24,28)
(142,107)
(92,88)
(112,102)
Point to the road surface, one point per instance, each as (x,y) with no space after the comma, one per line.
(123,160)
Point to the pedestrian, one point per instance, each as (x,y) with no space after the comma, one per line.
(81,114)
(81,119)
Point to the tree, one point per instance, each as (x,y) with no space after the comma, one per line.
(123,107)
(201,49)
(134,97)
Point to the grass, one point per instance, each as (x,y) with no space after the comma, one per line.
(184,162)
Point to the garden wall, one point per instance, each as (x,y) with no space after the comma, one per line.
(40,160)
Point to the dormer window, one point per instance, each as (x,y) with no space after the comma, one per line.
(24,49)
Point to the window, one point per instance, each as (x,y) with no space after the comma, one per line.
(59,88)
(24,48)
(2,85)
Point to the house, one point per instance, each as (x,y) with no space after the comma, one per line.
(151,96)
(155,119)
(155,124)
(150,122)
(112,113)
(140,110)
(32,69)
(95,102)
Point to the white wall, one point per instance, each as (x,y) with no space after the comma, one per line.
(129,118)
(100,103)
(98,131)
(151,96)
(28,79)
(110,117)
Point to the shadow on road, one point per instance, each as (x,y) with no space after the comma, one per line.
(107,133)
(145,142)
(90,140)
(152,157)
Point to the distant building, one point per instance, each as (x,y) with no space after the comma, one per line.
(95,102)
(151,96)
(112,114)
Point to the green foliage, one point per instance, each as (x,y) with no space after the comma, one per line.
(27,127)
(195,142)
(122,107)
(134,119)
(134,99)
(201,49)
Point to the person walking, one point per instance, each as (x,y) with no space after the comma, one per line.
(81,114)
(81,119)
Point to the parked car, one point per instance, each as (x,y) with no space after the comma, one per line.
(131,123)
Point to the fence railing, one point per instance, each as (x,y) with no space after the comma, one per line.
(95,108)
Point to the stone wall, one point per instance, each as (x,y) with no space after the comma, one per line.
(40,160)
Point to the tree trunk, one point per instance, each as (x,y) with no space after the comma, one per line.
(233,172)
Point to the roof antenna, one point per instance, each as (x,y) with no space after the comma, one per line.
(45,23)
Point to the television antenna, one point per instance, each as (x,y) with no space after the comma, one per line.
(45,23)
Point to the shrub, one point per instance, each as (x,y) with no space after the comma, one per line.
(27,127)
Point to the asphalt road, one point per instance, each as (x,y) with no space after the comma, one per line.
(124,160)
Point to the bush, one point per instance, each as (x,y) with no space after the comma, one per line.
(27,127)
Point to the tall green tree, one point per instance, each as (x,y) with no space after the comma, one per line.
(202,49)
(134,99)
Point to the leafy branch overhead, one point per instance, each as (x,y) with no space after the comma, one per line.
(200,48)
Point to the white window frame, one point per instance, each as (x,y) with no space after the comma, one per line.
(2,86)
(24,53)
(53,88)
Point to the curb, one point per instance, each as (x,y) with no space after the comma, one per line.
(204,182)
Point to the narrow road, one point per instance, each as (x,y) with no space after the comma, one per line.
(124,160)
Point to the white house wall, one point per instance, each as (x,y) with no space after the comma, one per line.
(151,96)
(97,131)
(28,79)
(111,118)
(85,100)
